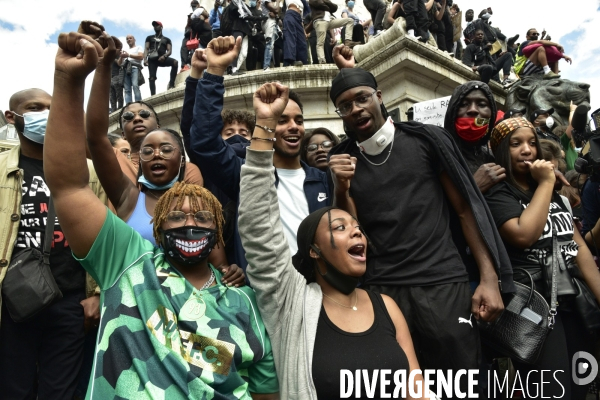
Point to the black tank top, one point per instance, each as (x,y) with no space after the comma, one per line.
(375,348)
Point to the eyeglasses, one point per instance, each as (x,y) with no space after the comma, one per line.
(129,115)
(534,34)
(166,151)
(326,145)
(177,219)
(361,102)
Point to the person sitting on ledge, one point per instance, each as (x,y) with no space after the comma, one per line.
(540,56)
(477,56)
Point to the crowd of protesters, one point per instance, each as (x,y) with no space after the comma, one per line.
(248,257)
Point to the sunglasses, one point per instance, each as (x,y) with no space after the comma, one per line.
(129,115)
(326,145)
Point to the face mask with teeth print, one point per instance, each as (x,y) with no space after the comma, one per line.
(188,245)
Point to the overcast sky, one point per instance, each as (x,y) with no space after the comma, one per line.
(29,30)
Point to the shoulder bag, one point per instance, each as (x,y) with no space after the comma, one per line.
(521,329)
(153,55)
(193,43)
(29,286)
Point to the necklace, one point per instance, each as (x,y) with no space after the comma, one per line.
(195,307)
(384,161)
(152,194)
(340,304)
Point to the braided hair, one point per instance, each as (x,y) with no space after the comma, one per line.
(197,195)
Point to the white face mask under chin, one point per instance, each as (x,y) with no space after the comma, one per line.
(380,140)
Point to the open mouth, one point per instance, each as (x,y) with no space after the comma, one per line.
(362,122)
(190,248)
(158,169)
(358,252)
(292,140)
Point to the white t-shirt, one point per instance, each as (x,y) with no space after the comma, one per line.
(197,12)
(293,207)
(136,51)
(298,3)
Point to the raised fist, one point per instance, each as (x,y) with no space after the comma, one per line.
(270,100)
(77,55)
(221,52)
(343,56)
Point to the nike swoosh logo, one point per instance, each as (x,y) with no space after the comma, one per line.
(321,197)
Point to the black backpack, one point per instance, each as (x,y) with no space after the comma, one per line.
(226,19)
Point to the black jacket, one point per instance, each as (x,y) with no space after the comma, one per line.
(454,164)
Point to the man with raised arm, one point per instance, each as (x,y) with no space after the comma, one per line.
(301,189)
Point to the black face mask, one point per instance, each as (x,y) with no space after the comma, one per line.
(188,245)
(342,282)
(235,139)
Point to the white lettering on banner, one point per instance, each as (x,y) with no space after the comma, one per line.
(431,112)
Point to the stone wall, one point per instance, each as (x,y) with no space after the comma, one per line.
(407,71)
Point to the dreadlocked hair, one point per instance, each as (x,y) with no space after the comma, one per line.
(197,194)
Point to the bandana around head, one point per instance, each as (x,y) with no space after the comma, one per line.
(505,128)
(349,78)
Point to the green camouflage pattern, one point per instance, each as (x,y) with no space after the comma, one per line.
(148,348)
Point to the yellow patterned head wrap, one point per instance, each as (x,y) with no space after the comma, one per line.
(505,128)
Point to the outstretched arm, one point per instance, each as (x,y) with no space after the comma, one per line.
(276,282)
(117,185)
(80,212)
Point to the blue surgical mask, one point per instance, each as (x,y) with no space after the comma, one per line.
(350,4)
(486,16)
(35,125)
(142,179)
(252,4)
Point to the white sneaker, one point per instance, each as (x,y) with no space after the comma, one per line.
(266,69)
(378,33)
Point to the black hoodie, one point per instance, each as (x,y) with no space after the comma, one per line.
(478,154)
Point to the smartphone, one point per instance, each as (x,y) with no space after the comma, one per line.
(531,315)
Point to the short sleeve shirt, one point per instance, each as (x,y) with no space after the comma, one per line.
(161,42)
(507,202)
(403,208)
(149,348)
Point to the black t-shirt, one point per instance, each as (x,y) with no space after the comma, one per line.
(403,208)
(506,202)
(67,272)
(162,43)
(374,349)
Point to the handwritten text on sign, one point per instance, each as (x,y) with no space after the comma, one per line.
(431,111)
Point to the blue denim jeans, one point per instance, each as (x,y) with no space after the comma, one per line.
(131,81)
(269,49)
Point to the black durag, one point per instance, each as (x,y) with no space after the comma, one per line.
(305,264)
(349,78)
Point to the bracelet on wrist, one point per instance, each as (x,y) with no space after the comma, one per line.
(265,128)
(273,140)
